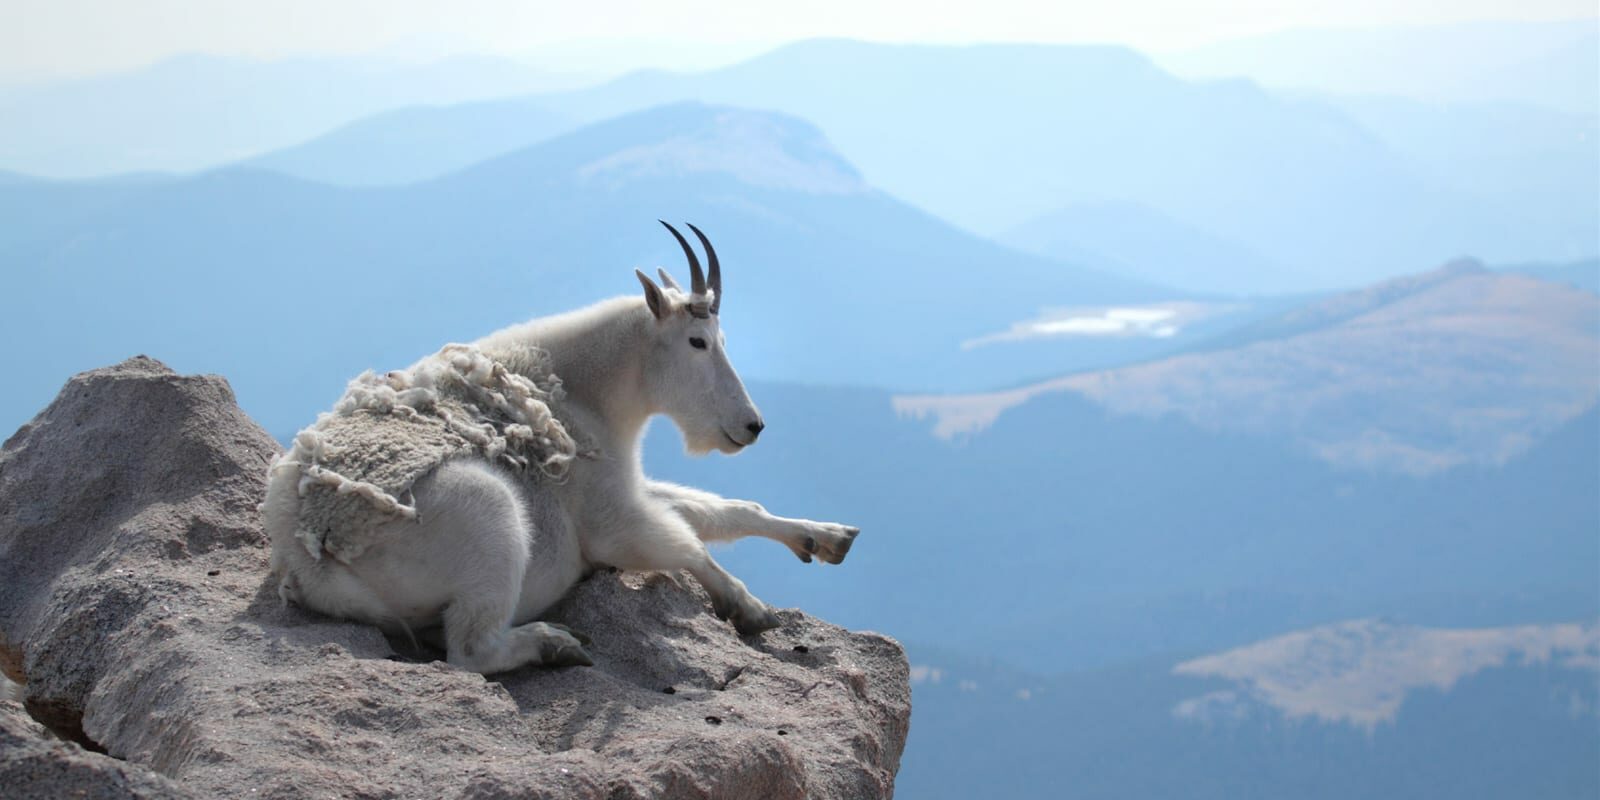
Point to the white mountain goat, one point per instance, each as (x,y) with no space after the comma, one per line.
(486,537)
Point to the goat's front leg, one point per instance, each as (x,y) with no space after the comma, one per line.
(655,539)
(718,519)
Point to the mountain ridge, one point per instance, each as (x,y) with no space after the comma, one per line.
(196,111)
(1443,348)
(1109,126)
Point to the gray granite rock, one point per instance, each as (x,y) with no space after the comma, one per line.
(35,764)
(133,603)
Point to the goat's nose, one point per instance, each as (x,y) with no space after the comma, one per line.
(755,429)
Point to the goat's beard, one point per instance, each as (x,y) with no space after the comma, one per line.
(701,444)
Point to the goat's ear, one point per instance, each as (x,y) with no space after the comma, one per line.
(652,296)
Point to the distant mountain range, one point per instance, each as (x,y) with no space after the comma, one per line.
(1280,192)
(292,287)
(1583,274)
(1133,240)
(416,143)
(1415,375)
(1550,64)
(1363,708)
(1088,154)
(195,111)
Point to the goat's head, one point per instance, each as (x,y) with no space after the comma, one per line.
(686,370)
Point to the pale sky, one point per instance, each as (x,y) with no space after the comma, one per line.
(54,38)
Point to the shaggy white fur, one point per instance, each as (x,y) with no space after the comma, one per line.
(357,464)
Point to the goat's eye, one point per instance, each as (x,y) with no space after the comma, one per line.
(697,343)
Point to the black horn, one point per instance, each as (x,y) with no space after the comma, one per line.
(697,279)
(716,269)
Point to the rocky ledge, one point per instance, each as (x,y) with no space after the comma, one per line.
(135,610)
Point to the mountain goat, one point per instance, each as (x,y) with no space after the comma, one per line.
(508,513)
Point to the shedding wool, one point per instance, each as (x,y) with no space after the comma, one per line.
(358,462)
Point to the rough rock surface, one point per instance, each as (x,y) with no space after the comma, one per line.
(134,606)
(35,764)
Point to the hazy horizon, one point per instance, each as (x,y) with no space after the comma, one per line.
(59,41)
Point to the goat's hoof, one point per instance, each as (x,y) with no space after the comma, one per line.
(561,647)
(579,635)
(570,656)
(830,541)
(748,624)
(843,548)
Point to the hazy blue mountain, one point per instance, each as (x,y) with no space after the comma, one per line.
(991,137)
(415,143)
(37,209)
(1521,159)
(1489,713)
(1417,374)
(1500,153)
(197,111)
(1129,239)
(1580,274)
(1552,64)
(291,287)
(1020,131)
(1563,77)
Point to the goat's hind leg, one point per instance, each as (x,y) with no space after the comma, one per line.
(479,547)
(489,649)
